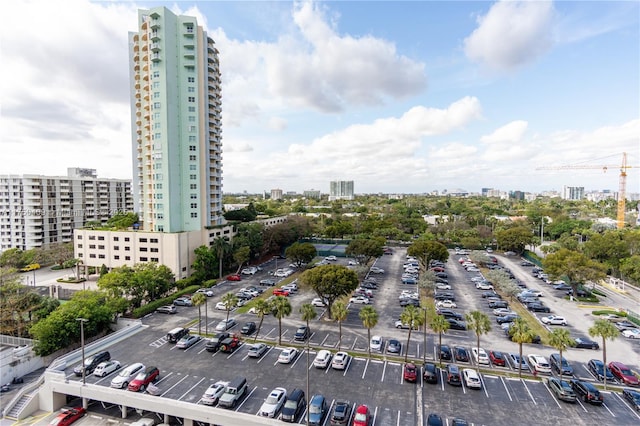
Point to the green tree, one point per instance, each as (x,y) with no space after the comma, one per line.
(330,282)
(411,316)
(427,250)
(428,312)
(241,256)
(301,253)
(281,308)
(339,313)
(439,324)
(369,317)
(230,301)
(630,268)
(365,249)
(262,308)
(205,262)
(480,324)
(574,266)
(12,258)
(122,220)
(560,339)
(427,282)
(221,246)
(198,300)
(520,333)
(607,331)
(514,239)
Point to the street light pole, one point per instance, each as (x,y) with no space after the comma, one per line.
(34,277)
(82,321)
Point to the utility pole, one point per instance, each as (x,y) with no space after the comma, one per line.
(84,367)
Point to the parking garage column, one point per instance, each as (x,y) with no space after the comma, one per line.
(85,403)
(187,422)
(123,411)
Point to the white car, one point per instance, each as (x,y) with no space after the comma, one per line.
(318,302)
(224,325)
(106,368)
(554,320)
(376,343)
(539,364)
(353,263)
(400,324)
(441,286)
(631,333)
(359,300)
(323,359)
(484,286)
(213,392)
(480,355)
(340,361)
(206,291)
(331,258)
(446,304)
(287,355)
(273,403)
(500,312)
(471,378)
(221,306)
(249,271)
(121,381)
(376,270)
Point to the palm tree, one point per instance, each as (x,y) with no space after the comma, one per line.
(606,330)
(308,313)
(198,300)
(281,309)
(221,245)
(262,308)
(412,317)
(428,311)
(560,339)
(339,312)
(520,333)
(480,323)
(230,301)
(369,317)
(439,324)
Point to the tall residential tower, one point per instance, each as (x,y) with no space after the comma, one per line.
(175,123)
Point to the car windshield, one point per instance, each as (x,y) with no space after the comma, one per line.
(315,409)
(626,372)
(290,404)
(360,417)
(272,399)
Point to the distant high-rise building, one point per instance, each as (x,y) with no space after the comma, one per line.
(517,195)
(311,193)
(573,192)
(38,211)
(276,194)
(175,123)
(341,190)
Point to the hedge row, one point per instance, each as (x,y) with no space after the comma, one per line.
(610,312)
(152,306)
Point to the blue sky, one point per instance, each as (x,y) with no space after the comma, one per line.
(406,97)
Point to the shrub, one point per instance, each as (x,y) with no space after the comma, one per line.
(210,283)
(152,306)
(598,292)
(187,282)
(609,312)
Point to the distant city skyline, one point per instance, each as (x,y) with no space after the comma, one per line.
(361,90)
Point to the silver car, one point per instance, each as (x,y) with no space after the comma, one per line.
(121,381)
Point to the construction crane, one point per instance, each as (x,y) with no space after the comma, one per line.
(622,191)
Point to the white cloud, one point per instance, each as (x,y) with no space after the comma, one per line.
(511,34)
(509,133)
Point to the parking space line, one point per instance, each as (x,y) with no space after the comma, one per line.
(246,398)
(297,359)
(265,355)
(582,405)
(165,377)
(484,387)
(607,407)
(441,379)
(365,368)
(506,389)
(398,421)
(375,413)
(354,343)
(190,389)
(552,395)
(627,405)
(384,369)
(176,384)
(529,392)
(324,340)
(347,367)
(329,410)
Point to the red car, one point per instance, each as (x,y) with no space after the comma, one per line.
(142,380)
(280,292)
(410,372)
(623,373)
(68,416)
(234,277)
(362,416)
(497,358)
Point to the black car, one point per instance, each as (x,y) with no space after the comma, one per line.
(302,333)
(587,392)
(369,285)
(581,293)
(248,329)
(442,280)
(538,307)
(506,318)
(445,353)
(410,302)
(341,413)
(453,375)
(430,372)
(461,354)
(294,406)
(455,324)
(214,343)
(583,343)
(448,313)
(434,420)
(441,275)
(633,396)
(445,296)
(597,368)
(494,304)
(490,293)
(459,422)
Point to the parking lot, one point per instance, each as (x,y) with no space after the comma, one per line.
(377,382)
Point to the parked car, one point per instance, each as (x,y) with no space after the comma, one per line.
(519,363)
(257,350)
(434,419)
(539,364)
(287,355)
(68,416)
(214,343)
(587,392)
(507,318)
(394,346)
(560,366)
(562,390)
(248,328)
(121,381)
(234,277)
(251,270)
(538,307)
(410,372)
(91,362)
(281,292)
(318,302)
(167,309)
(143,379)
(400,324)
(430,372)
(471,378)
(225,324)
(341,414)
(206,291)
(631,333)
(461,354)
(446,304)
(445,353)
(213,393)
(598,369)
(183,301)
(362,416)
(583,343)
(268,282)
(633,396)
(293,406)
(340,361)
(554,320)
(322,359)
(497,358)
(455,324)
(359,300)
(106,367)
(302,333)
(317,410)
(376,343)
(623,373)
(376,270)
(453,375)
(272,403)
(480,355)
(187,341)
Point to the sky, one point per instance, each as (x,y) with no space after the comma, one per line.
(400,97)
